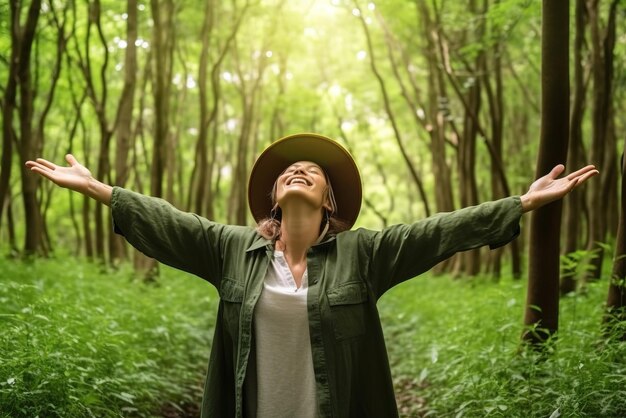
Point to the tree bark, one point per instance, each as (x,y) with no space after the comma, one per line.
(9,100)
(99,101)
(466,157)
(603,142)
(28,142)
(542,303)
(124,118)
(615,313)
(201,166)
(163,43)
(574,201)
(495,101)
(435,110)
(202,175)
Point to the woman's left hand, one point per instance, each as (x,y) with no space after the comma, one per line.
(550,188)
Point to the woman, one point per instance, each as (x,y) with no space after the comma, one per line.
(298,333)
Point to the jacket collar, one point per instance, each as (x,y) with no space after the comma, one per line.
(261,242)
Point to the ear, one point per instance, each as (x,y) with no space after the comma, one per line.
(326,205)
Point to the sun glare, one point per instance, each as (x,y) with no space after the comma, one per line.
(335,90)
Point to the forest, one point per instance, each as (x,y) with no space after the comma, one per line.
(442,104)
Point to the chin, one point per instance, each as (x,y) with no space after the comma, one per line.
(298,195)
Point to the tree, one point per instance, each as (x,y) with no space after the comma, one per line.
(124,116)
(163,37)
(202,174)
(602,204)
(542,302)
(21,94)
(616,299)
(390,114)
(575,200)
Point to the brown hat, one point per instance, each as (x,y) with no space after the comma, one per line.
(333,158)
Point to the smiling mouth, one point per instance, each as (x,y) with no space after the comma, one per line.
(298,180)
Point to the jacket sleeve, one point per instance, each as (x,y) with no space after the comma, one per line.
(401,252)
(156,228)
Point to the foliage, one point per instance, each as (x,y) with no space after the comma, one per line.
(462,358)
(76,341)
(317,77)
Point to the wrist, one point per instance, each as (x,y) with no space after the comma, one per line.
(99,191)
(526,201)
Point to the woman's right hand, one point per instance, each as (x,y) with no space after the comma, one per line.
(75,177)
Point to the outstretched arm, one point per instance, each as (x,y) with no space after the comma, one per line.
(75,177)
(550,188)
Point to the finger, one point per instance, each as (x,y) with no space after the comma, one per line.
(71,160)
(46,163)
(44,171)
(33,164)
(582,171)
(583,178)
(556,171)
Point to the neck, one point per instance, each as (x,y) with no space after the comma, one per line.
(299,230)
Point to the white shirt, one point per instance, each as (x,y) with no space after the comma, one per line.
(285,377)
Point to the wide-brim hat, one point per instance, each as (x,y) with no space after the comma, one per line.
(333,158)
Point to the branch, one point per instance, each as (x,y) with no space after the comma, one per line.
(390,114)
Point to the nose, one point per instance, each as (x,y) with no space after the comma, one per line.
(298,170)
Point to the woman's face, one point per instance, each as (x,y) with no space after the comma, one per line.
(303,180)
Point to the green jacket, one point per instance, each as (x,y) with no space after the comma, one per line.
(347,274)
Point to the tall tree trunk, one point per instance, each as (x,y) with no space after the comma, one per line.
(61,44)
(542,303)
(468,187)
(495,96)
(163,41)
(249,98)
(11,226)
(574,201)
(467,172)
(9,101)
(615,314)
(465,150)
(603,143)
(203,133)
(431,119)
(124,118)
(435,109)
(202,175)
(86,208)
(99,101)
(28,143)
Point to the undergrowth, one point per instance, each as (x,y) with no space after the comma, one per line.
(79,341)
(455,345)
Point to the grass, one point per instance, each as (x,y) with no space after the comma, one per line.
(76,341)
(79,341)
(455,352)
